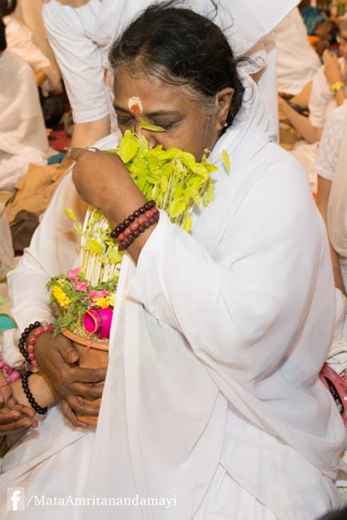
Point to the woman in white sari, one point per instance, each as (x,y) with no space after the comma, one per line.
(212,406)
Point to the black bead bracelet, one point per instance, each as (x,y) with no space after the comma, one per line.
(24,336)
(25,385)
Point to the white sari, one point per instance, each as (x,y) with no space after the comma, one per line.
(212,397)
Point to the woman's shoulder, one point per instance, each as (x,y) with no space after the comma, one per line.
(280,172)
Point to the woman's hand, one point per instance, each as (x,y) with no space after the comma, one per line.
(13,416)
(59,361)
(332,68)
(103,181)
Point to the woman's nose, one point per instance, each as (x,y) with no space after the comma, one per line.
(152,141)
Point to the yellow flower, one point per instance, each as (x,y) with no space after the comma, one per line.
(58,293)
(105,302)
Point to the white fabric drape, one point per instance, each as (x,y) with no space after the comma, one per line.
(337,207)
(216,344)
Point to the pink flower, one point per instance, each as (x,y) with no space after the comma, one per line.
(98,294)
(73,274)
(11,374)
(81,286)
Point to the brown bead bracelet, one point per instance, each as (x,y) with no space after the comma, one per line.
(131,218)
(135,224)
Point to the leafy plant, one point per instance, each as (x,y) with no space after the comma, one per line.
(177,183)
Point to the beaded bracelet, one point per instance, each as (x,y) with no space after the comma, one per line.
(29,353)
(129,220)
(335,87)
(25,385)
(24,337)
(129,235)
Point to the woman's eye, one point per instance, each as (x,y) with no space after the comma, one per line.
(124,120)
(164,125)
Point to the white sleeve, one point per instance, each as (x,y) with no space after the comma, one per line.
(80,62)
(330,144)
(53,251)
(319,99)
(236,300)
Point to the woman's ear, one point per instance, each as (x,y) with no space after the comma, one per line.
(224,99)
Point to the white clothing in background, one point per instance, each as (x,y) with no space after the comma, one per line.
(22,131)
(322,102)
(329,152)
(6,249)
(81,39)
(30,13)
(20,41)
(216,344)
(330,143)
(297,62)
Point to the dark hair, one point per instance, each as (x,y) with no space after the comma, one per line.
(180,47)
(334,31)
(337,515)
(6,7)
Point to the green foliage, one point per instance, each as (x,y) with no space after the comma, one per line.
(171,177)
(70,214)
(71,301)
(226,161)
(149,126)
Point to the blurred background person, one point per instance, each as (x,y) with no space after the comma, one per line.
(22,131)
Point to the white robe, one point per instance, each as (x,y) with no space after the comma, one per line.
(212,394)
(297,61)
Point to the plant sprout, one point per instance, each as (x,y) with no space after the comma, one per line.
(173,178)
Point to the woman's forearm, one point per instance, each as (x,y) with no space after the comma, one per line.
(39,387)
(301,123)
(340,96)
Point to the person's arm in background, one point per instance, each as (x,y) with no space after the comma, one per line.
(324,187)
(301,123)
(321,95)
(333,74)
(80,62)
(86,134)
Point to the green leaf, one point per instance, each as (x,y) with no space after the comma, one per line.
(226,161)
(164,183)
(149,126)
(187,224)
(208,195)
(95,247)
(78,228)
(128,147)
(113,255)
(177,208)
(70,214)
(196,197)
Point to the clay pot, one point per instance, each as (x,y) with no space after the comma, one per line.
(93,354)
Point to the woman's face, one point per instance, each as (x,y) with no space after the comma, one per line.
(186,124)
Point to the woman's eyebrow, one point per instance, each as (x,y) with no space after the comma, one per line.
(121,109)
(159,113)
